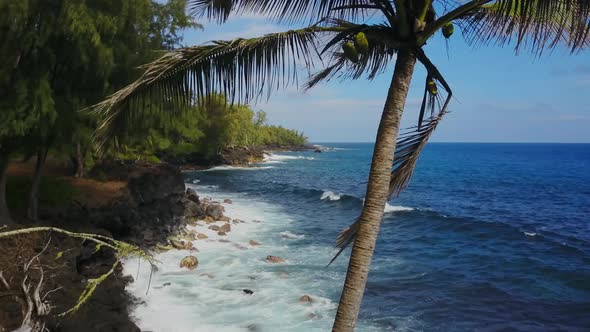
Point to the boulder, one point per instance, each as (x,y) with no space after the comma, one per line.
(215,211)
(193,221)
(305,299)
(225,218)
(313,316)
(214,228)
(227,201)
(128,279)
(274,259)
(189,262)
(192,209)
(192,196)
(225,228)
(202,236)
(181,245)
(148,235)
(247,291)
(156,183)
(162,247)
(253,328)
(220,233)
(192,235)
(254,243)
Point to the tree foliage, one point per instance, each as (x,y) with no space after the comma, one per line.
(200,131)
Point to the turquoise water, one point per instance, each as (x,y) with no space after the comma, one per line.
(487,237)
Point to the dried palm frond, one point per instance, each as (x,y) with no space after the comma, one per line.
(409,145)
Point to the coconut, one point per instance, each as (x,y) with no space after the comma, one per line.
(448,30)
(350,51)
(431,86)
(361,43)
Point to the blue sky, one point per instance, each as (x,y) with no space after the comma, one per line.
(499,96)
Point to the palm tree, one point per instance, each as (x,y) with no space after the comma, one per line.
(356,39)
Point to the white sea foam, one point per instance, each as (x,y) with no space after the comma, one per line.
(396,208)
(289,235)
(271,158)
(530,234)
(211,298)
(330,195)
(234,168)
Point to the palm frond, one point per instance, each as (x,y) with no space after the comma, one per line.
(534,24)
(345,238)
(383,46)
(242,69)
(285,10)
(409,147)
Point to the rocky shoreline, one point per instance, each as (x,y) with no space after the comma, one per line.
(155,212)
(235,156)
(152,214)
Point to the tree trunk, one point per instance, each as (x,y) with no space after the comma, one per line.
(79,161)
(4,212)
(376,196)
(33,211)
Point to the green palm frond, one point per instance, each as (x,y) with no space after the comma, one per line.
(286,10)
(535,24)
(242,69)
(383,45)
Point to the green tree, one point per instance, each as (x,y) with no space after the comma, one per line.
(61,56)
(356,43)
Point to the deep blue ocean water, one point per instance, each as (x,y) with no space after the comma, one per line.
(497,237)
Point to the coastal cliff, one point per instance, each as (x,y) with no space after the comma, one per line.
(149,211)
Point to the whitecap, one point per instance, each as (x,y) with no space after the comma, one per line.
(235,168)
(195,181)
(530,234)
(271,158)
(290,235)
(396,208)
(330,195)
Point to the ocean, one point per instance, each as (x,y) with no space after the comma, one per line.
(487,237)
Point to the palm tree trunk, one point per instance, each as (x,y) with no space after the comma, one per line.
(33,211)
(4,211)
(376,196)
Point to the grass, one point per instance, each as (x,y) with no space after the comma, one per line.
(53,192)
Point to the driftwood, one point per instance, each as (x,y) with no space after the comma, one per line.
(35,307)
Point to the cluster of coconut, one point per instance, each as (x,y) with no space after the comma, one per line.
(358,45)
